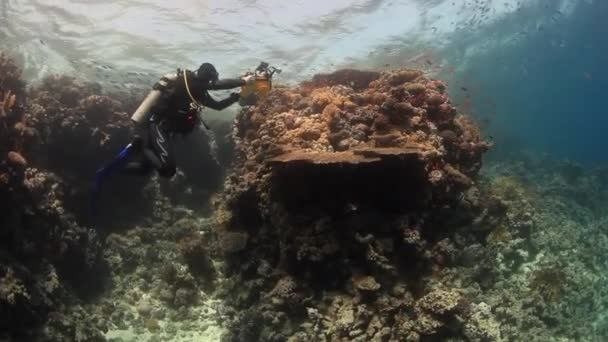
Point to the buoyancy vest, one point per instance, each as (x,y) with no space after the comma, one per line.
(179,109)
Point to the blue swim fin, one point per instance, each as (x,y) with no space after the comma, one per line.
(111,168)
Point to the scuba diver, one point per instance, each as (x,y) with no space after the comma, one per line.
(172,107)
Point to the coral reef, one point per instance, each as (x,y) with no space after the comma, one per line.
(355,209)
(80,131)
(390,126)
(52,259)
(366,220)
(344,186)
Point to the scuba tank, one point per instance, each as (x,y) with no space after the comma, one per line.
(144,111)
(251,93)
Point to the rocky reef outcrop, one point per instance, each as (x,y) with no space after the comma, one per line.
(46,255)
(53,137)
(336,216)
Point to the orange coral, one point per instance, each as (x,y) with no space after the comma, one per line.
(16,159)
(7,103)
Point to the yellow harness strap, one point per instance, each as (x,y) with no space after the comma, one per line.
(188,90)
(194,103)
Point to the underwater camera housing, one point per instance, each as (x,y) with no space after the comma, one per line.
(252,93)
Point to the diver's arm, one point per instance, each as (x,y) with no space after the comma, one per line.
(222,104)
(227,83)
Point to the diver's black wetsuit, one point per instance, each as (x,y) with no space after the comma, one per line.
(175,115)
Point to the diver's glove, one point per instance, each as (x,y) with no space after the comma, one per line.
(249,79)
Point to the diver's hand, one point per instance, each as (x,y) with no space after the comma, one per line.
(249,79)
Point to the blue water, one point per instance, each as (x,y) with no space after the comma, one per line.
(547,92)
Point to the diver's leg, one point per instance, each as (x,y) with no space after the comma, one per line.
(138,168)
(161,155)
